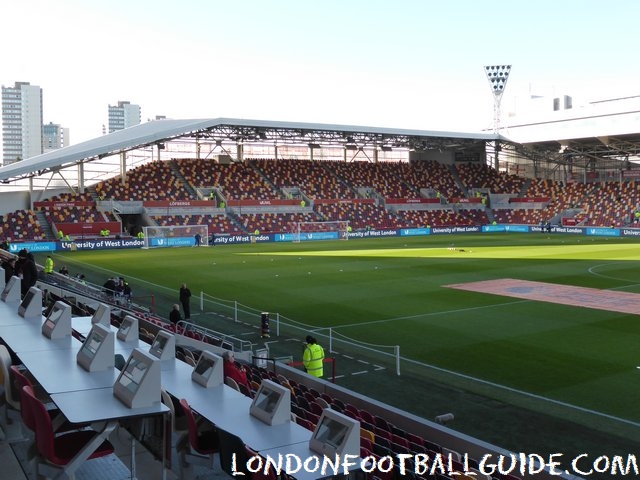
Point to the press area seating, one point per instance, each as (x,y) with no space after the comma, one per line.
(27,414)
(203,443)
(378,435)
(197,440)
(56,451)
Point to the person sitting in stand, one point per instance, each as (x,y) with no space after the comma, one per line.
(174,315)
(233,370)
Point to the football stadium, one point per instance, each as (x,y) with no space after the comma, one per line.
(466,312)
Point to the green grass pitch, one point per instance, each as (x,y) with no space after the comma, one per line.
(390,292)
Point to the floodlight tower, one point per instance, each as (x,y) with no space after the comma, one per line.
(497,76)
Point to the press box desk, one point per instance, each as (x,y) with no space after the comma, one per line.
(228,409)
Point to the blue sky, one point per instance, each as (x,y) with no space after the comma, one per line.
(401,63)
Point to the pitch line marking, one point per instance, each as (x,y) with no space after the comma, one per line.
(431,314)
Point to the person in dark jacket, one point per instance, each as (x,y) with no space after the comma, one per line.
(110,287)
(29,272)
(9,268)
(174,315)
(185,300)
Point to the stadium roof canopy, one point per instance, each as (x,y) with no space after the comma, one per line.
(239,131)
(601,151)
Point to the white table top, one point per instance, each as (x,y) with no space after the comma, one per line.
(11,317)
(82,324)
(8,310)
(99,404)
(88,396)
(58,371)
(28,337)
(228,409)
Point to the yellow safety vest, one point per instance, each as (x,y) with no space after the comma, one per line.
(312,359)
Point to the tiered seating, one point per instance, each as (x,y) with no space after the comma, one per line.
(562,196)
(378,436)
(474,215)
(386,178)
(72,197)
(617,203)
(274,222)
(475,175)
(520,216)
(75,214)
(72,213)
(431,174)
(152,181)
(20,226)
(436,218)
(237,181)
(314,178)
(360,215)
(217,224)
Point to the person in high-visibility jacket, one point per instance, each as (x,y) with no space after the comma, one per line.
(48,264)
(312,357)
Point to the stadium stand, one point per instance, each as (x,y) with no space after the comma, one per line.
(314,178)
(238,181)
(152,181)
(354,191)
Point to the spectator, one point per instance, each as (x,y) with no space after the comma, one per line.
(233,370)
(120,287)
(9,268)
(63,270)
(29,272)
(174,315)
(110,287)
(126,290)
(185,300)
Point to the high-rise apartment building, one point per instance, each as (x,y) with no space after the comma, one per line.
(21,122)
(54,137)
(123,115)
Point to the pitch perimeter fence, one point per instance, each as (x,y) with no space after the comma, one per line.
(285,336)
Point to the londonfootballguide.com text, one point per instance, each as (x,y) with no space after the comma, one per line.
(445,464)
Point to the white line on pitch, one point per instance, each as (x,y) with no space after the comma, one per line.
(360,373)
